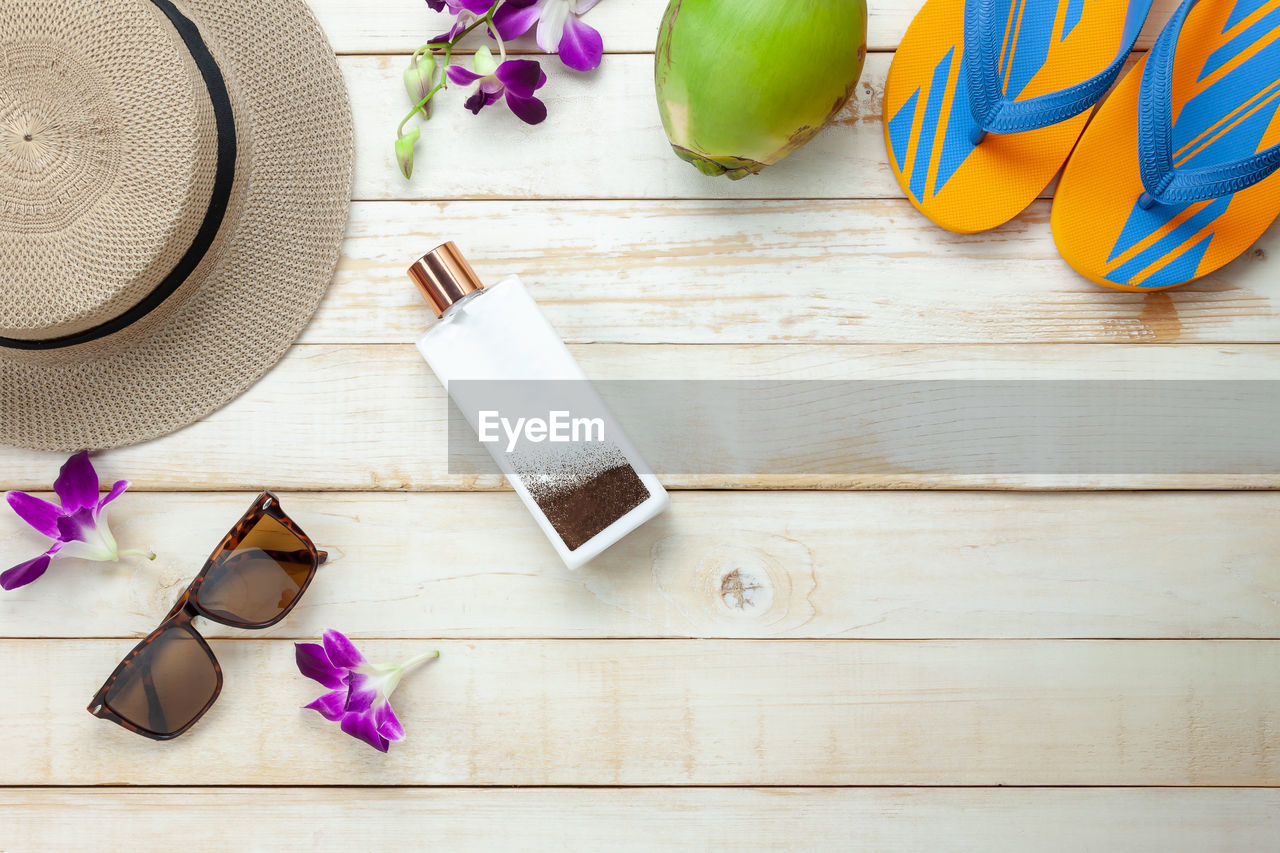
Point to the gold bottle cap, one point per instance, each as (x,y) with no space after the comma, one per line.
(444,277)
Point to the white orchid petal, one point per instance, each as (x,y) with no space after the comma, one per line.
(551,24)
(98,544)
(383,677)
(483,62)
(104,528)
(96,549)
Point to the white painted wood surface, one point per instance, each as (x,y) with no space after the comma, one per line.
(964,820)
(822,271)
(609,120)
(866,565)
(630,26)
(682,712)
(352,427)
(1052,820)
(910,651)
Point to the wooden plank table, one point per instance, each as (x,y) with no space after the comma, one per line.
(907,662)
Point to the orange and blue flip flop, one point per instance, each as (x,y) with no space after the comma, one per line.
(986,98)
(1177,173)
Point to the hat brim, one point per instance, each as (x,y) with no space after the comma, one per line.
(279,257)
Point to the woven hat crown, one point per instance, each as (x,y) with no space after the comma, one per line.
(181,201)
(108,154)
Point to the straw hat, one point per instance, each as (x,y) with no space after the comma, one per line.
(174,184)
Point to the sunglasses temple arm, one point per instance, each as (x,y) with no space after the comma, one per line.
(321,556)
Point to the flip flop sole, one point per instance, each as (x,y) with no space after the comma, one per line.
(1226,105)
(1048,46)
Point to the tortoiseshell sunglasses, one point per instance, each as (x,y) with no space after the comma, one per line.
(251,580)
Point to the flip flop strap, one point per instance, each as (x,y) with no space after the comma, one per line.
(1165,183)
(985,22)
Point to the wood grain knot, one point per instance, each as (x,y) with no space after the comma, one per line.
(739,591)
(1159,317)
(737,584)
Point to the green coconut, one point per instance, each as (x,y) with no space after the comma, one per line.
(743,83)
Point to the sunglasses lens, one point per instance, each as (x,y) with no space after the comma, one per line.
(167,684)
(255,580)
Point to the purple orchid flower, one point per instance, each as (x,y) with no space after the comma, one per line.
(78,528)
(476,7)
(467,11)
(460,23)
(361,691)
(516,79)
(559,29)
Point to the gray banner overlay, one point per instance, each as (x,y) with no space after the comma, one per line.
(920,427)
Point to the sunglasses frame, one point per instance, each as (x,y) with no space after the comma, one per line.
(187,608)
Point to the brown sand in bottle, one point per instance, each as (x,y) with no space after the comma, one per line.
(581,489)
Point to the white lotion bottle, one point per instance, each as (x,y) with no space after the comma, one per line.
(584,497)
